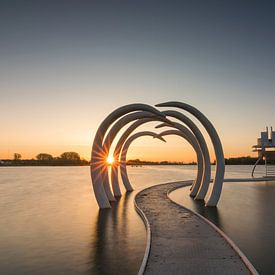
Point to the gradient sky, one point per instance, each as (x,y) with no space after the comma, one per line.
(65,65)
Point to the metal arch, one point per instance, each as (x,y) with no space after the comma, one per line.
(220,164)
(206,158)
(97,159)
(98,154)
(107,144)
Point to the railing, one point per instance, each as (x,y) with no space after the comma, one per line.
(254,167)
(270,170)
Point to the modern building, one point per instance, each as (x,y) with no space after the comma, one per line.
(266,151)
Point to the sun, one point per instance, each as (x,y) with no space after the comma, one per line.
(110,160)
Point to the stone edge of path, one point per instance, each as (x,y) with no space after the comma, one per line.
(247,263)
(148,237)
(245,260)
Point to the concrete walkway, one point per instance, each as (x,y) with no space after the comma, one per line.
(182,242)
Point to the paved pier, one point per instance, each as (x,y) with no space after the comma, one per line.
(182,242)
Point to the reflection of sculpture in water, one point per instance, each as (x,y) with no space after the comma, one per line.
(115,234)
(101,149)
(210,213)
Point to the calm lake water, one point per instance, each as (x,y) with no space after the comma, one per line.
(50,222)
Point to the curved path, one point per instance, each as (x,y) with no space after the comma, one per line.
(180,241)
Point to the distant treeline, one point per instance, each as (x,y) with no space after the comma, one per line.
(137,162)
(246,161)
(44,159)
(228,161)
(73,159)
(242,161)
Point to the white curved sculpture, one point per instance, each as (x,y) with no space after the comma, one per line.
(124,151)
(220,164)
(98,159)
(206,158)
(191,139)
(107,144)
(101,148)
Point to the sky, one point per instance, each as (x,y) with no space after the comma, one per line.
(65,65)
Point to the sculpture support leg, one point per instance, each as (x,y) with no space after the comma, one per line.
(125,179)
(107,187)
(99,191)
(195,187)
(114,180)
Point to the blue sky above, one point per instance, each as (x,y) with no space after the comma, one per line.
(66,64)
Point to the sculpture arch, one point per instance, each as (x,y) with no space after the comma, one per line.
(108,142)
(101,147)
(205,153)
(184,133)
(97,159)
(206,170)
(220,164)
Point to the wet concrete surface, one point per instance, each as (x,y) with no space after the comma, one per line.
(182,242)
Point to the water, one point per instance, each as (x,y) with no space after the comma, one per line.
(50,222)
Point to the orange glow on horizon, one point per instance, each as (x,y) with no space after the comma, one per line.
(160,152)
(175,149)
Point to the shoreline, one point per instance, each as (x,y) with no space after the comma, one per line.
(132,165)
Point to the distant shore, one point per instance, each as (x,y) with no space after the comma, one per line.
(82,162)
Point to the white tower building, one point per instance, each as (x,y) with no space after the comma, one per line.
(266,150)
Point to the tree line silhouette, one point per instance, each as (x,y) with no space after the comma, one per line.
(74,159)
(45,159)
(228,161)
